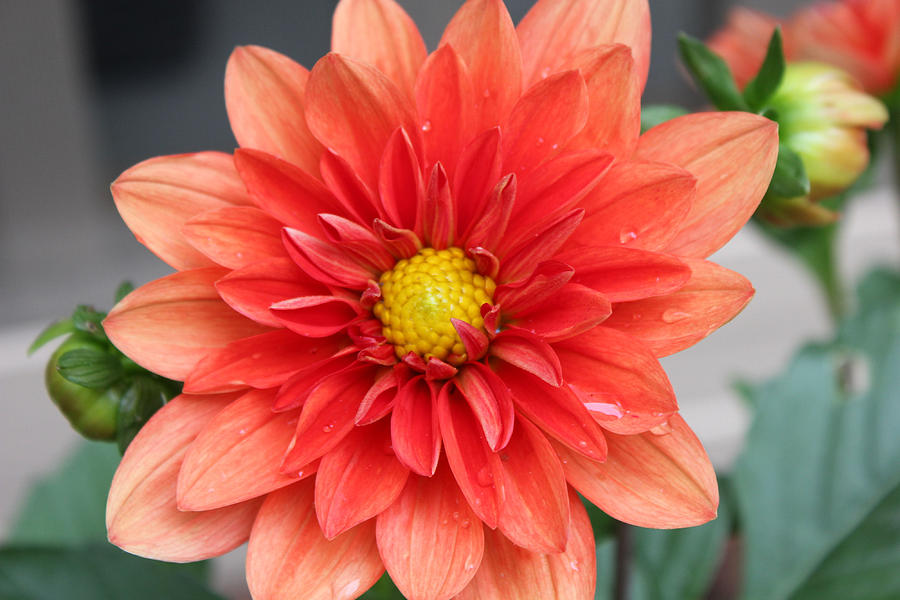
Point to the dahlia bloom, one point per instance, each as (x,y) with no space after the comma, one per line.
(861,37)
(423,304)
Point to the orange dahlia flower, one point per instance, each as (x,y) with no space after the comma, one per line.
(423,304)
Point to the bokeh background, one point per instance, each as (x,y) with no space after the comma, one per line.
(90,87)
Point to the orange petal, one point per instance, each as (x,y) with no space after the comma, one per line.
(530,353)
(235,457)
(617,377)
(430,540)
(400,185)
(358,479)
(235,236)
(659,480)
(671,323)
(574,309)
(326,262)
(353,109)
(265,96)
(317,316)
(288,557)
(483,35)
(380,33)
(508,571)
(169,324)
(477,174)
(156,197)
(732,155)
(141,515)
(555,32)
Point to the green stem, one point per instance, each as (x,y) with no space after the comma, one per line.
(623,561)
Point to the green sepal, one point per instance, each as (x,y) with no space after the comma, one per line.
(89,320)
(125,288)
(768,78)
(90,367)
(146,395)
(53,331)
(789,179)
(655,114)
(711,73)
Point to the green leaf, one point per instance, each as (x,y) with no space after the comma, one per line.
(655,114)
(92,572)
(53,331)
(89,320)
(125,288)
(769,76)
(789,179)
(818,482)
(90,368)
(384,589)
(711,73)
(141,400)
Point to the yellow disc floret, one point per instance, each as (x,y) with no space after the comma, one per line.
(421,294)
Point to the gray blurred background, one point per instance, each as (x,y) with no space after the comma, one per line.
(88,88)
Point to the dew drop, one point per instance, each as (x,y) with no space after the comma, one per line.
(455,515)
(242,432)
(575,566)
(465,523)
(484,477)
(555,146)
(636,316)
(673,316)
(300,474)
(540,141)
(445,521)
(545,72)
(627,234)
(663,428)
(328,428)
(426,126)
(486,93)
(582,444)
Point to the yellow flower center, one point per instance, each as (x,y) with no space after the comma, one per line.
(421,294)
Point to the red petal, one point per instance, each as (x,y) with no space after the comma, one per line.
(400,184)
(543,120)
(379,400)
(637,204)
(235,236)
(326,262)
(403,243)
(381,34)
(490,401)
(554,33)
(606,367)
(487,231)
(669,324)
(470,458)
(544,244)
(141,516)
(430,540)
(235,456)
(649,480)
(485,262)
(523,295)
(623,274)
(732,155)
(534,510)
(287,193)
(296,389)
(265,97)
(483,35)
(317,316)
(354,195)
(288,557)
(438,210)
(169,324)
(528,352)
(357,240)
(476,176)
(508,571)
(261,361)
(415,431)
(358,480)
(157,196)
(574,309)
(353,109)
(473,339)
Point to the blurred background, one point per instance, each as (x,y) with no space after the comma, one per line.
(90,87)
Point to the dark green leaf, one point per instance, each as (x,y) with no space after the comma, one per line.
(817,483)
(144,397)
(769,76)
(53,331)
(125,288)
(89,320)
(384,589)
(654,114)
(92,572)
(711,74)
(90,368)
(789,179)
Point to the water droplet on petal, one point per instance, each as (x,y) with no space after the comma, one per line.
(582,444)
(486,93)
(663,428)
(328,428)
(575,566)
(636,316)
(465,524)
(484,476)
(545,72)
(300,474)
(426,126)
(540,141)
(627,234)
(673,316)
(242,432)
(455,516)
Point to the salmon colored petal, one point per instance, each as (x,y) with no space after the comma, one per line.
(327,416)
(288,557)
(141,515)
(614,88)
(534,510)
(169,324)
(430,540)
(623,274)
(530,353)
(659,480)
(618,379)
(471,459)
(732,155)
(317,316)
(636,204)
(555,32)
(574,309)
(262,361)
(358,479)
(415,431)
(557,411)
(485,38)
(235,236)
(544,120)
(265,94)
(380,33)
(508,571)
(671,323)
(286,192)
(251,290)
(231,459)
(400,184)
(353,109)
(445,100)
(326,262)
(156,197)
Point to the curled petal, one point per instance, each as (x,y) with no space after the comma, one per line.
(379,400)
(354,195)
(357,240)
(523,295)
(317,316)
(403,243)
(488,230)
(491,402)
(477,174)
(572,310)
(235,236)
(530,353)
(400,184)
(325,262)
(473,339)
(415,432)
(296,389)
(438,210)
(544,244)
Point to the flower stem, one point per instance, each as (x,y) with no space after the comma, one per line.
(623,561)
